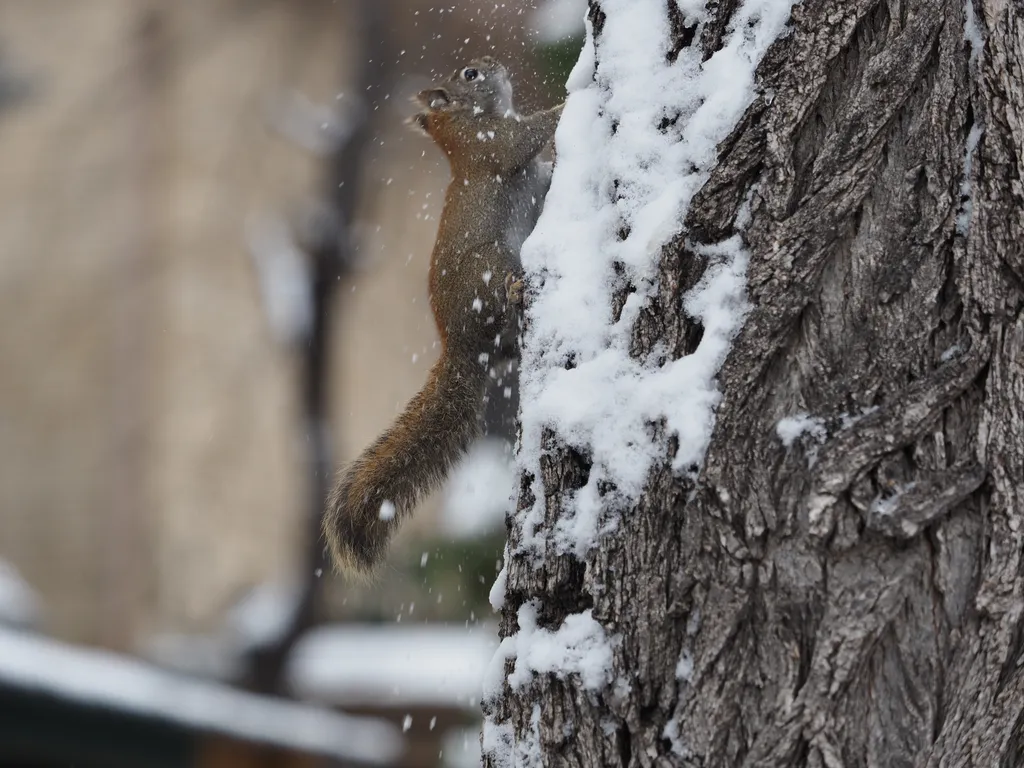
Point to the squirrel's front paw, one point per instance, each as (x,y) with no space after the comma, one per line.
(514,287)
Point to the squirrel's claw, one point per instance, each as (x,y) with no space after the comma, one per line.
(514,287)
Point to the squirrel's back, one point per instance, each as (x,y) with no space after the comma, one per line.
(492,203)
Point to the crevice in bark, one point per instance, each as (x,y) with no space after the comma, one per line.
(597,18)
(1014,756)
(625,741)
(845,74)
(712,214)
(622,293)
(928,497)
(941,628)
(719,13)
(662,326)
(893,425)
(681,35)
(568,596)
(1015,651)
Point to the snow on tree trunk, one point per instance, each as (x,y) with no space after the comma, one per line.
(772,439)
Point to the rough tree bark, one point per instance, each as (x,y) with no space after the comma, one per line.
(855,598)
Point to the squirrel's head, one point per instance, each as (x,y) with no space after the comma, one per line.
(481,87)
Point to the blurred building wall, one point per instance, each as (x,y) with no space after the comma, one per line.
(147,462)
(150,459)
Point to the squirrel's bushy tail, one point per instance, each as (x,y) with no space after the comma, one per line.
(375,492)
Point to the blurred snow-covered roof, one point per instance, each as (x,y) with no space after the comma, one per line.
(212,657)
(112,681)
(19,605)
(258,619)
(393,665)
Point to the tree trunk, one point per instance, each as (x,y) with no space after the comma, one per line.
(839,580)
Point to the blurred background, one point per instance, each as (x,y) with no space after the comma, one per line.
(214,239)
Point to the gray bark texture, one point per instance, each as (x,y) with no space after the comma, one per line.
(854,599)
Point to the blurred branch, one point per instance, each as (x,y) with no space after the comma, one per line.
(15,87)
(327,240)
(284,278)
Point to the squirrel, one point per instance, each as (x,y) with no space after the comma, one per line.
(492,204)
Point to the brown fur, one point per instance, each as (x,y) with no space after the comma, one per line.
(492,203)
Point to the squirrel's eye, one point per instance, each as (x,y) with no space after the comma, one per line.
(469,74)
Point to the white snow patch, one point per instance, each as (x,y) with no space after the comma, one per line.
(684,667)
(693,622)
(848,420)
(950,353)
(104,679)
(963,218)
(621,185)
(973,36)
(884,506)
(497,594)
(972,32)
(387,510)
(528,751)
(793,427)
(579,647)
(671,732)
(498,741)
(506,751)
(817,506)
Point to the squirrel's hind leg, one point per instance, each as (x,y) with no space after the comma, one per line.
(501,412)
(513,315)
